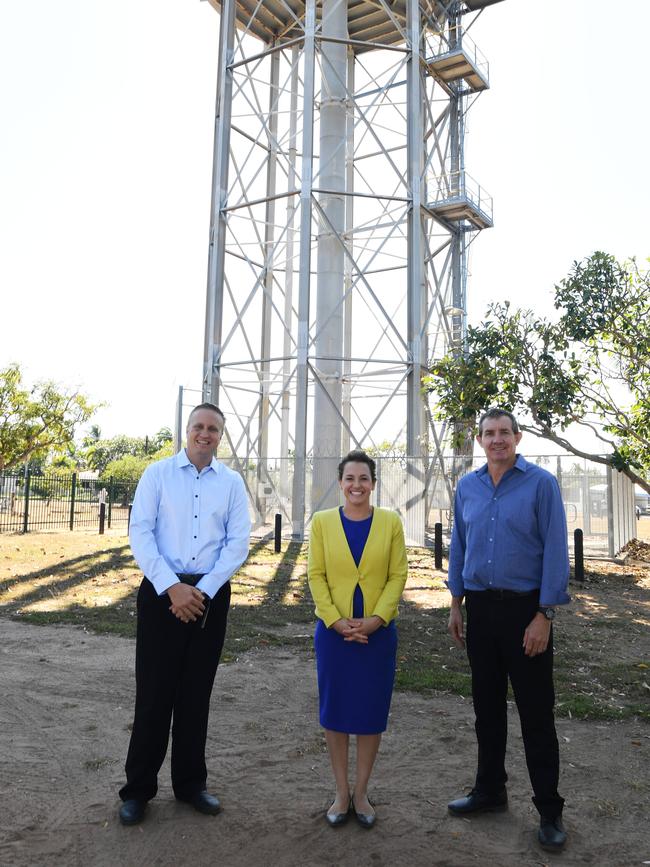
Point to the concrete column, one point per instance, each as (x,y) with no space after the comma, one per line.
(329,329)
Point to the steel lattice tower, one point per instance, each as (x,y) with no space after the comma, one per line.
(341,216)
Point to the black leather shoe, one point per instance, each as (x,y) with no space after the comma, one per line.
(334,820)
(204,802)
(478,802)
(132,811)
(366,820)
(551,834)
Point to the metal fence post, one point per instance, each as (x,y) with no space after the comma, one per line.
(578,555)
(28,476)
(278,532)
(73,491)
(111,495)
(102,518)
(437,545)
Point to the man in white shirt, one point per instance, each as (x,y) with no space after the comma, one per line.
(189,533)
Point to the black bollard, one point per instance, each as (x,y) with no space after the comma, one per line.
(437,545)
(278,532)
(102,518)
(578,555)
(128,520)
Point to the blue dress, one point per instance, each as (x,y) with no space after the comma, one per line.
(355,681)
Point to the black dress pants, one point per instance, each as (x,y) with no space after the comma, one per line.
(175,666)
(495,632)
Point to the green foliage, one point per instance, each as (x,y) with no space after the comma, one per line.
(100,453)
(591,367)
(128,468)
(104,452)
(39,421)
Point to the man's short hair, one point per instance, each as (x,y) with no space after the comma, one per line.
(211,406)
(357,456)
(497,412)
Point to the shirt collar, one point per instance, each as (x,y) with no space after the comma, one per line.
(182,460)
(520,464)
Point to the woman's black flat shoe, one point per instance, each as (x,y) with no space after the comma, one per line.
(366,820)
(336,819)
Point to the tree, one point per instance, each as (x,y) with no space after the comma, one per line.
(100,453)
(128,468)
(589,368)
(38,421)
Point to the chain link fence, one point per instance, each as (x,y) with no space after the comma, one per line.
(597,501)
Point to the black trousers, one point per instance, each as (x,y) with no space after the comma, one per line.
(175,666)
(495,633)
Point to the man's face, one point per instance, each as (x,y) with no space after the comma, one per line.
(498,441)
(204,431)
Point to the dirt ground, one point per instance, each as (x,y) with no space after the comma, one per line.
(65,708)
(66,703)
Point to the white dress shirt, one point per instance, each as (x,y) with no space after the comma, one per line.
(185,521)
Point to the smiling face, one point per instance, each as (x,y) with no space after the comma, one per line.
(204,432)
(499,442)
(357,486)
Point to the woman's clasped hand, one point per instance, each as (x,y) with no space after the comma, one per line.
(357,628)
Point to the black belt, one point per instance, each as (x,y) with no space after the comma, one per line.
(189,578)
(500,593)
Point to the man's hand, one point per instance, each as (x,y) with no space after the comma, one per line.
(455,625)
(536,635)
(187,602)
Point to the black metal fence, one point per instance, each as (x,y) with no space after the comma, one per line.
(31,501)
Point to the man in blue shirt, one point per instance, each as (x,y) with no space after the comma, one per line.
(189,533)
(509,561)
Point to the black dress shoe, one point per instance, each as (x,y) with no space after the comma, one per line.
(132,811)
(479,802)
(334,820)
(204,802)
(366,820)
(551,834)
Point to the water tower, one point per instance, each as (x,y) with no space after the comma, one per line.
(341,216)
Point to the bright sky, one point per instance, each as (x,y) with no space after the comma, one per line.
(105,165)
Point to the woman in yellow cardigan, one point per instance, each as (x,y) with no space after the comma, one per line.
(357,571)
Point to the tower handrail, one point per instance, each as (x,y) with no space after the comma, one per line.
(459,185)
(459,40)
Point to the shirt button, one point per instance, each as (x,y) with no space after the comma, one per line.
(195,537)
(492,519)
(490,539)
(489,561)
(196,495)
(196,516)
(193,558)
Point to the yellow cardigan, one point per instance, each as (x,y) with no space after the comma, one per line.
(333,574)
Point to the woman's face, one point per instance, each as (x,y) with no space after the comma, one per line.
(357,484)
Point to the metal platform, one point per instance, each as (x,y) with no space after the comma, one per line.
(456,197)
(370,24)
(461,61)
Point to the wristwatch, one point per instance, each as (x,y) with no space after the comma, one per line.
(549,613)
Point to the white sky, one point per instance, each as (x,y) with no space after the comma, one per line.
(106,111)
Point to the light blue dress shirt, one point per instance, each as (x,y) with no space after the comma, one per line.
(184,521)
(512,536)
